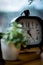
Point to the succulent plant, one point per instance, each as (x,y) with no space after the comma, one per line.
(16,35)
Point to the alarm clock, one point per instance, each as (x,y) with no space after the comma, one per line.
(33,27)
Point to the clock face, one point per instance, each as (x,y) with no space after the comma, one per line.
(32,30)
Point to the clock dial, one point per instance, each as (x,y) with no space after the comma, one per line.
(33,30)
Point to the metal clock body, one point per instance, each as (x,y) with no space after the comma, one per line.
(33,29)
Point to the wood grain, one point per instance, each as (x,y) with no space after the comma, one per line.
(26,57)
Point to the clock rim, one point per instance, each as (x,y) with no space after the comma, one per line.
(41,23)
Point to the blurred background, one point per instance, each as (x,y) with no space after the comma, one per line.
(10,9)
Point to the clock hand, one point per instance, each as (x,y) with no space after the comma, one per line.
(30,35)
(27,30)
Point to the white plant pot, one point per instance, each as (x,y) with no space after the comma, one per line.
(9,52)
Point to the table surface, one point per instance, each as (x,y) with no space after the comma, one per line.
(26,57)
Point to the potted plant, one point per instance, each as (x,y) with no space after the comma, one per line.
(12,41)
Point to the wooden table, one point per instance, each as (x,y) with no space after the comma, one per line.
(26,57)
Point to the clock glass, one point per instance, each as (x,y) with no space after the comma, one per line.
(32,30)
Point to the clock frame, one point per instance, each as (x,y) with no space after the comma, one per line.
(41,24)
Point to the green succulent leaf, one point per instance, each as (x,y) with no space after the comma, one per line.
(16,35)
